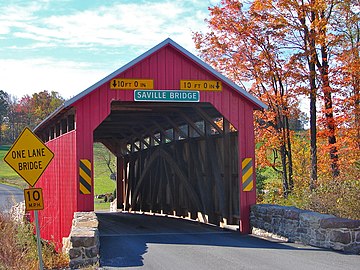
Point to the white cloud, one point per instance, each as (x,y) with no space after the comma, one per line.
(114,27)
(34,75)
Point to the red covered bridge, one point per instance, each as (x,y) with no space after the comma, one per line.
(182,133)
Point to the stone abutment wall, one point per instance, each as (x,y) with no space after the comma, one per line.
(307,227)
(83,243)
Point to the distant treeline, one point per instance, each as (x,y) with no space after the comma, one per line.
(15,114)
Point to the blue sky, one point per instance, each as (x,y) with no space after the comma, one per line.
(68,45)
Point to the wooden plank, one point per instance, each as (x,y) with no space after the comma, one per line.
(227,170)
(216,172)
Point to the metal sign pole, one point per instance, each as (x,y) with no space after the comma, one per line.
(41,265)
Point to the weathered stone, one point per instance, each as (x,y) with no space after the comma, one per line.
(74,253)
(278,211)
(313,218)
(307,227)
(353,248)
(293,213)
(92,252)
(357,237)
(339,236)
(85,219)
(302,230)
(339,223)
(320,235)
(83,249)
(267,218)
(82,241)
(88,223)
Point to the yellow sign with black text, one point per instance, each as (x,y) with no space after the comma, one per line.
(200,85)
(29,156)
(33,199)
(131,84)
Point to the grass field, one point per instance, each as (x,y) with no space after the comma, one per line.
(102,182)
(7,174)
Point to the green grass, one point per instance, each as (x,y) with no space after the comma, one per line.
(7,174)
(103,183)
(99,204)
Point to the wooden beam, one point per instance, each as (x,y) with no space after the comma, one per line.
(208,119)
(192,124)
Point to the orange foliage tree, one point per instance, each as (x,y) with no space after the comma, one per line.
(279,50)
(243,46)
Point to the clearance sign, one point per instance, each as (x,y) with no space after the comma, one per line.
(29,156)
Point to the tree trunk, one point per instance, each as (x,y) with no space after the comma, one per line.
(284,171)
(290,164)
(310,37)
(313,149)
(310,52)
(357,111)
(329,115)
(1,130)
(356,95)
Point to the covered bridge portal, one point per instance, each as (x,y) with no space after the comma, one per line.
(189,154)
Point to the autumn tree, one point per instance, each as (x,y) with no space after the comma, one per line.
(29,111)
(291,45)
(347,70)
(44,103)
(3,110)
(242,45)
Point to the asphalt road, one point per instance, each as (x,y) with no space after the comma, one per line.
(9,196)
(156,242)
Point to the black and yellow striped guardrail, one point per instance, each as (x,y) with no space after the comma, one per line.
(247,174)
(85,176)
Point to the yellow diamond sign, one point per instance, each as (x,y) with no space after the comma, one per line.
(29,156)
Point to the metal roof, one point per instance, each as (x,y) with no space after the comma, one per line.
(166,42)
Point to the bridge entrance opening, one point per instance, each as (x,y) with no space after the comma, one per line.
(174,158)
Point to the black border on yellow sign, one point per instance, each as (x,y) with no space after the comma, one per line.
(29,198)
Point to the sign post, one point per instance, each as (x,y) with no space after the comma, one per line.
(29,157)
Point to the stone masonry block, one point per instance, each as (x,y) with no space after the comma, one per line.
(92,252)
(74,253)
(340,236)
(313,219)
(357,237)
(339,223)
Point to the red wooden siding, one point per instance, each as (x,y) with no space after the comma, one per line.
(166,66)
(59,189)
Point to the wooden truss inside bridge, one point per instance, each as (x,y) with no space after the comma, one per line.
(174,158)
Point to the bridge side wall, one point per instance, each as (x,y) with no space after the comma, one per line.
(59,189)
(310,228)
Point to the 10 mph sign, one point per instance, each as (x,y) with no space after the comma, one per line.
(33,199)
(29,156)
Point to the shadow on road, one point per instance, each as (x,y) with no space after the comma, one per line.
(125,238)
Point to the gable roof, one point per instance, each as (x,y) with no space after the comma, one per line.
(166,42)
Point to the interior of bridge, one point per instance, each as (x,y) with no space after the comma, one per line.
(174,158)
